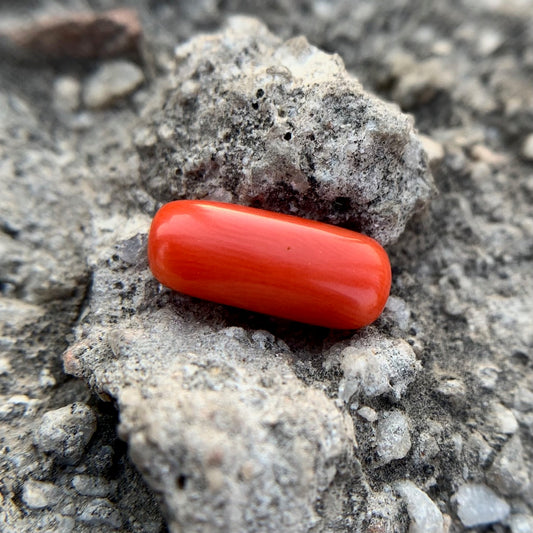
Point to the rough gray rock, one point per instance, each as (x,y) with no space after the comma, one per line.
(92,486)
(424,514)
(214,415)
(509,474)
(66,431)
(478,505)
(101,512)
(501,419)
(374,365)
(521,523)
(39,494)
(281,125)
(393,439)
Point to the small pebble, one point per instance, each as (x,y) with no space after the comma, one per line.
(478,449)
(483,153)
(39,494)
(488,376)
(398,310)
(62,524)
(373,367)
(111,82)
(524,399)
(91,486)
(477,505)
(101,512)
(46,379)
(5,366)
(521,523)
(527,147)
(368,414)
(434,150)
(501,419)
(67,91)
(424,515)
(17,406)
(509,472)
(453,388)
(393,437)
(66,431)
(488,41)
(427,448)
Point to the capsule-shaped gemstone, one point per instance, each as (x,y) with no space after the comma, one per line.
(270,263)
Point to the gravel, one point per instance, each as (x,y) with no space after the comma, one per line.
(424,515)
(376,366)
(393,439)
(478,505)
(111,82)
(39,494)
(527,147)
(65,432)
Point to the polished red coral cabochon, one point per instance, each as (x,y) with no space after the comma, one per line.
(271,263)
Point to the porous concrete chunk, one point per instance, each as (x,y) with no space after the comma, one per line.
(375,365)
(281,125)
(39,494)
(111,82)
(214,415)
(477,505)
(424,515)
(66,431)
(393,436)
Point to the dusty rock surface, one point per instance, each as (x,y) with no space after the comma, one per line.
(191,416)
(252,119)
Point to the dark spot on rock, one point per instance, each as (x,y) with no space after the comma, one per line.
(9,230)
(520,358)
(255,105)
(342,204)
(428,470)
(181,481)
(260,93)
(204,69)
(288,136)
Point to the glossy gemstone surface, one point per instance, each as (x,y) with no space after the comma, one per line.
(270,263)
